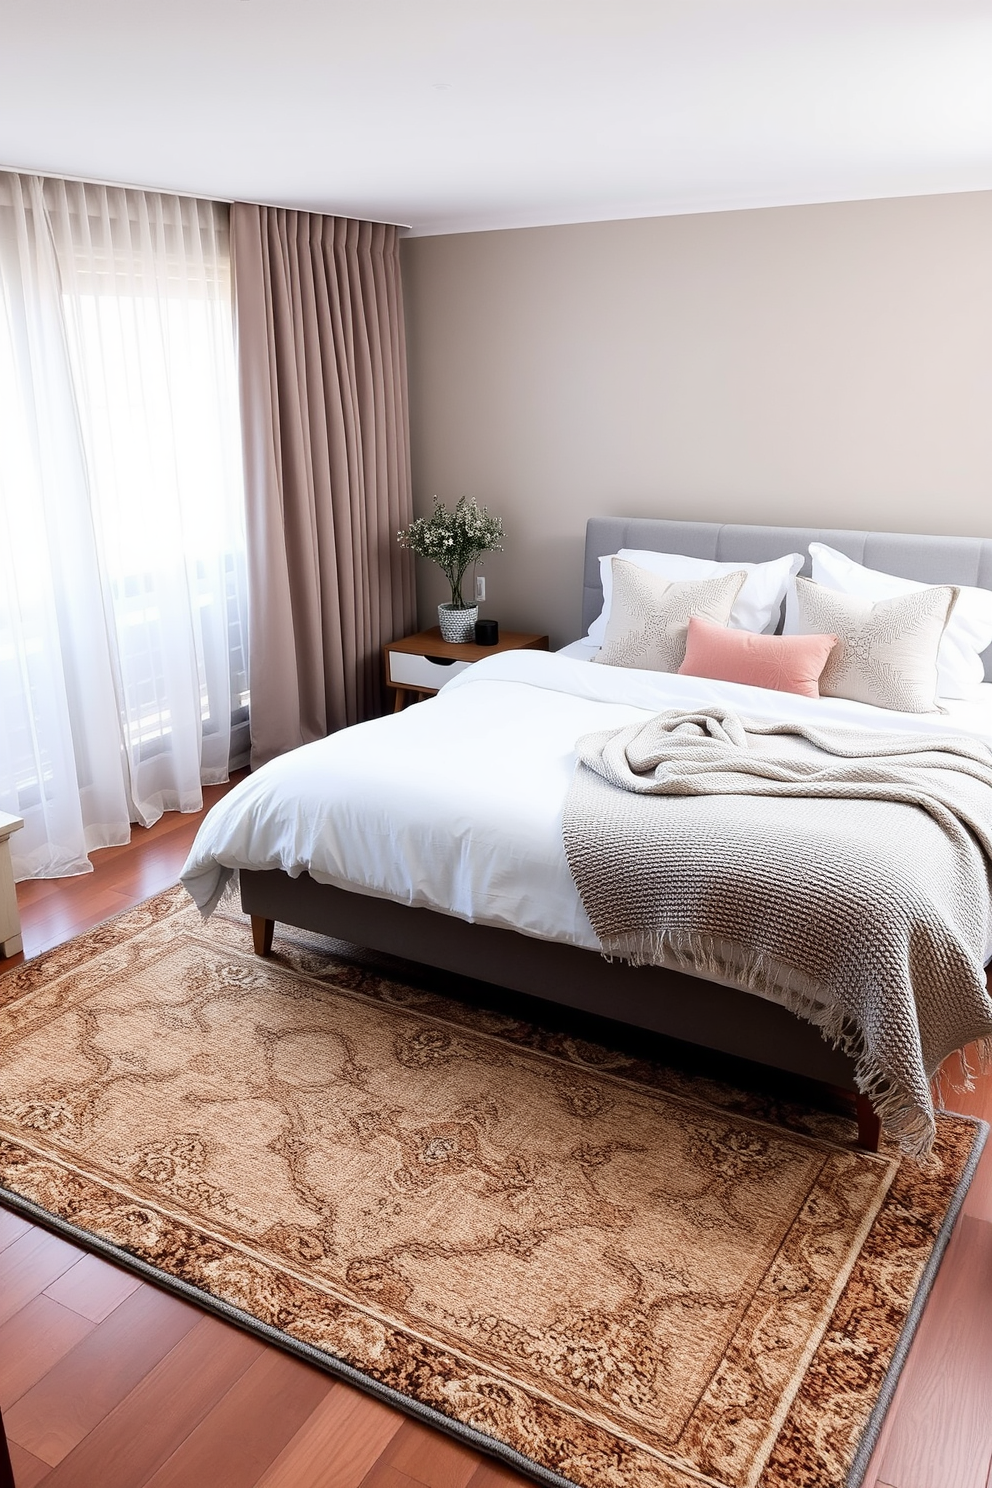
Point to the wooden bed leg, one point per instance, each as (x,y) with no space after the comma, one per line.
(261,933)
(869,1126)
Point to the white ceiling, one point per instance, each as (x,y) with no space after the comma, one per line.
(456,115)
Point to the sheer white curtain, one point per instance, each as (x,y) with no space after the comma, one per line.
(122,596)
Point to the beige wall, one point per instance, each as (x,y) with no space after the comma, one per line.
(828,365)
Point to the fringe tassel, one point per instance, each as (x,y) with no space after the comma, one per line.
(912,1128)
(965,1083)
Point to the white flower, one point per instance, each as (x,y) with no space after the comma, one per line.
(454,539)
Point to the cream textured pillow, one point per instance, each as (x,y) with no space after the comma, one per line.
(960,669)
(649,616)
(886,653)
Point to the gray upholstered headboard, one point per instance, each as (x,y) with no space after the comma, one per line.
(932,560)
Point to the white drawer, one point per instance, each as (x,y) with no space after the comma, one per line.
(407,670)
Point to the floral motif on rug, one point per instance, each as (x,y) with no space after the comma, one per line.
(624,1275)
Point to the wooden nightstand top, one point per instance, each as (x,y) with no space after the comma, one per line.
(412,664)
(431,643)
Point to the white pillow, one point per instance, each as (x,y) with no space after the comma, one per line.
(757,607)
(969,630)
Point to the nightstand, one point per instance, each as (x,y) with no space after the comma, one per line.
(420,665)
(10,920)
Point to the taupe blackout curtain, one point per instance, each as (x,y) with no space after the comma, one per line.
(322,363)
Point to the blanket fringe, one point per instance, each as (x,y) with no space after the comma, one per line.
(911,1128)
(964,1083)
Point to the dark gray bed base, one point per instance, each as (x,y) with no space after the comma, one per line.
(681,1007)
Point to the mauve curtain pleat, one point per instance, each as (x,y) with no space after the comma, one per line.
(322,357)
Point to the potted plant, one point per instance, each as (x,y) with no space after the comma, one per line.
(454,540)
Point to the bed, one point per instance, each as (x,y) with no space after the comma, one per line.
(435,835)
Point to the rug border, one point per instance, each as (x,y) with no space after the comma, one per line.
(873,1430)
(329,1363)
(490,1445)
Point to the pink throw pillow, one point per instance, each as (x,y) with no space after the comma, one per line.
(786,663)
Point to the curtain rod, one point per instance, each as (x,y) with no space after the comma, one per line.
(18,170)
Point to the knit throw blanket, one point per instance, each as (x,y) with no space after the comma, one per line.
(845,873)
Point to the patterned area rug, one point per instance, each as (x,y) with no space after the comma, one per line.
(602,1271)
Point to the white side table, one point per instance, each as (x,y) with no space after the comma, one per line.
(10,920)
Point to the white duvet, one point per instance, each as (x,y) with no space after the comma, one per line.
(455,804)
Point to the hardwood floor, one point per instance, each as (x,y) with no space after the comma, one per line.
(107,1382)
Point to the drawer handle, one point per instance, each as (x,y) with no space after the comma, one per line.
(440,660)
